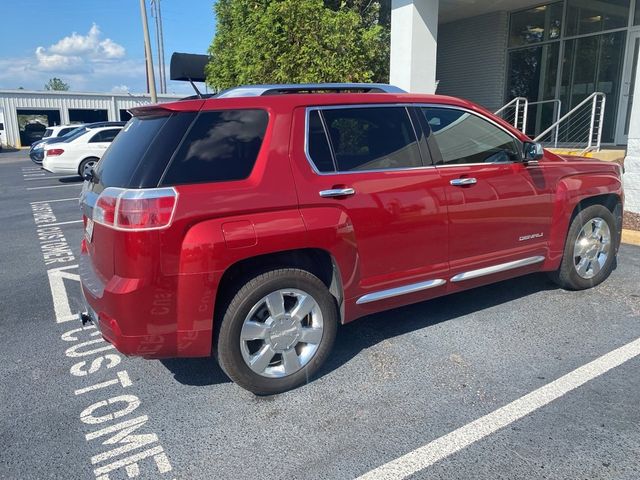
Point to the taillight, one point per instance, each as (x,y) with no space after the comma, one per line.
(146,209)
(54,152)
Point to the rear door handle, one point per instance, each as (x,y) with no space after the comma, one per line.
(337,192)
(458,182)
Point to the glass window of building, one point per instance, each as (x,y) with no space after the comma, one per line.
(637,19)
(587,16)
(594,64)
(535,25)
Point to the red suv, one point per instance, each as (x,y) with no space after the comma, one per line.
(250,224)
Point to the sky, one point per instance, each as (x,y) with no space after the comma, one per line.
(95,45)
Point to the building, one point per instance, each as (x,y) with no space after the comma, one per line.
(557,52)
(32,110)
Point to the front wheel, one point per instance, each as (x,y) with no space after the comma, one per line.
(590,249)
(277,331)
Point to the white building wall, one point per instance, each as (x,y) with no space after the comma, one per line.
(414,41)
(12,100)
(632,160)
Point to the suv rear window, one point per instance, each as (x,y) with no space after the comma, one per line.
(141,151)
(220,146)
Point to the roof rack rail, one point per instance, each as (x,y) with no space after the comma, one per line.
(262,90)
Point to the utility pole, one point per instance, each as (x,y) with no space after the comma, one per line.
(147,52)
(156,13)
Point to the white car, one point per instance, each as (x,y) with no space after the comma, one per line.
(59,130)
(79,152)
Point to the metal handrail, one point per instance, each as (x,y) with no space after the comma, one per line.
(557,112)
(518,101)
(592,124)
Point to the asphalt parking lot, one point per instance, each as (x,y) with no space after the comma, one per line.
(450,380)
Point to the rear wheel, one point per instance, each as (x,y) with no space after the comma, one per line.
(590,249)
(277,331)
(87,164)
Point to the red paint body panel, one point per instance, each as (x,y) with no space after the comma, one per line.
(155,291)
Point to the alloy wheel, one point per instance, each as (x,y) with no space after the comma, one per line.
(592,248)
(281,333)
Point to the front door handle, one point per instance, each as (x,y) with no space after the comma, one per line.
(459,182)
(337,192)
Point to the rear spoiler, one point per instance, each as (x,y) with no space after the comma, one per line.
(164,109)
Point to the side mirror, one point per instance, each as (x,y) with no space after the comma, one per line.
(533,151)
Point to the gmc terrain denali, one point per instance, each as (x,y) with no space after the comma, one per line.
(250,224)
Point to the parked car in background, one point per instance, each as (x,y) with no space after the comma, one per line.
(32,132)
(81,151)
(249,225)
(2,134)
(36,153)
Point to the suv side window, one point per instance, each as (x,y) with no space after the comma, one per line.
(220,146)
(463,137)
(370,138)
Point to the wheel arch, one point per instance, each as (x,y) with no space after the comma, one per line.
(573,195)
(317,261)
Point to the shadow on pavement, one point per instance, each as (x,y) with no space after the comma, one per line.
(71,179)
(373,329)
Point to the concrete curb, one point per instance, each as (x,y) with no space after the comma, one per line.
(631,237)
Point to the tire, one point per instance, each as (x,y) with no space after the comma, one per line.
(589,262)
(84,163)
(266,365)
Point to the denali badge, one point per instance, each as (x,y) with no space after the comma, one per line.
(530,237)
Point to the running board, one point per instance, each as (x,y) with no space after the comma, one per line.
(394,292)
(503,267)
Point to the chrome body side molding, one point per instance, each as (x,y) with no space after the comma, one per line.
(394,292)
(502,267)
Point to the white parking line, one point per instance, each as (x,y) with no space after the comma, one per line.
(47,178)
(470,433)
(56,186)
(59,223)
(58,200)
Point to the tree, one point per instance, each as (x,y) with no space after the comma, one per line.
(295,41)
(56,84)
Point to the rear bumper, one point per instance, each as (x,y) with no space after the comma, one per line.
(130,317)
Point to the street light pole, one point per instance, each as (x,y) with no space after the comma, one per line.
(147,51)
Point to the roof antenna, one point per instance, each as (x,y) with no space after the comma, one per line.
(198,94)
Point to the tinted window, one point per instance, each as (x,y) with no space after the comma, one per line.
(318,147)
(1,126)
(109,135)
(141,151)
(372,138)
(64,131)
(220,146)
(78,132)
(466,138)
(47,132)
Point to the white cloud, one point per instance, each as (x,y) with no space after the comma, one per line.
(76,53)
(89,63)
(120,89)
